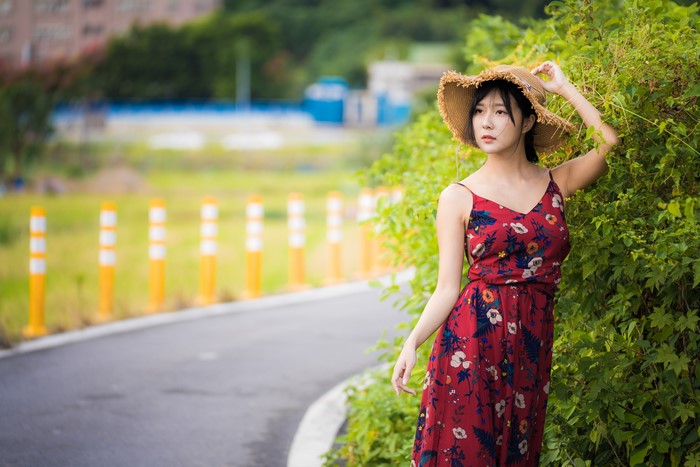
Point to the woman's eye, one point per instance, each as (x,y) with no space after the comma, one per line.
(500,112)
(477,111)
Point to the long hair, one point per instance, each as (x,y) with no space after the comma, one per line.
(506,89)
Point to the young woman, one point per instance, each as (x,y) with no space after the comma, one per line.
(486,387)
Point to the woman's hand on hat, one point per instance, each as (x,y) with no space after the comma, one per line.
(556,82)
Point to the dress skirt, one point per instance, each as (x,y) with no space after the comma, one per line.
(488,378)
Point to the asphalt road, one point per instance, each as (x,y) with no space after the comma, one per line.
(226,390)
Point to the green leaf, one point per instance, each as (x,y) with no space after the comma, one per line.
(674,208)
(689,210)
(661,319)
(639,455)
(683,412)
(693,91)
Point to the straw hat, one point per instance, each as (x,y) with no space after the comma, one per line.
(456,92)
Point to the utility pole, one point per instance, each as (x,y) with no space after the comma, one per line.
(243,74)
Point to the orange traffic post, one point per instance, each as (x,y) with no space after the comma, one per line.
(297,240)
(156,254)
(379,255)
(365,212)
(107,258)
(253,246)
(334,236)
(37,273)
(208,250)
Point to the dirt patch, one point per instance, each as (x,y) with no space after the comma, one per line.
(110,180)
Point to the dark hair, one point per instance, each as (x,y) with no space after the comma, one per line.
(506,89)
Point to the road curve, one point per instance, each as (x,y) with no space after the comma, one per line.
(223,390)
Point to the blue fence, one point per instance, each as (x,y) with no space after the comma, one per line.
(117,108)
(325,104)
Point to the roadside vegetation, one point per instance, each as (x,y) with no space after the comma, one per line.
(625,373)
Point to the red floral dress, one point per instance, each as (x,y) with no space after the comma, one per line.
(485,391)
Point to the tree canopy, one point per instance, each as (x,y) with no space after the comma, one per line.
(290,44)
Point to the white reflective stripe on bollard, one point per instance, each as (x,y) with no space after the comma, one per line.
(156,251)
(108,218)
(107,258)
(37,266)
(37,224)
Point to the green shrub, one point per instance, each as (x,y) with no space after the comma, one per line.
(625,372)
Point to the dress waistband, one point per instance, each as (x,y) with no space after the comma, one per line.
(548,287)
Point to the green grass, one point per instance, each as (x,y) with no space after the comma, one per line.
(72,242)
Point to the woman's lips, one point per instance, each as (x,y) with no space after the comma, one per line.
(488,138)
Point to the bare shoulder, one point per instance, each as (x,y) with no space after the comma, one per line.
(455,193)
(456,198)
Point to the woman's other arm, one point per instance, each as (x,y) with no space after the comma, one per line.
(454,208)
(581,171)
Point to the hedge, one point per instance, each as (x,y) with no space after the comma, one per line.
(626,378)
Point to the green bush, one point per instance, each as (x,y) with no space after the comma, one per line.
(626,376)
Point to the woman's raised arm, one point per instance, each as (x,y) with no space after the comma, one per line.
(581,171)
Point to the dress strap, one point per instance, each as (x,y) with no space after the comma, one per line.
(466,239)
(550,174)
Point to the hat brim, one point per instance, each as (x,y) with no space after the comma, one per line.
(455,95)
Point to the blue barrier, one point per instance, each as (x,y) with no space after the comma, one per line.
(325,99)
(145,108)
(324,102)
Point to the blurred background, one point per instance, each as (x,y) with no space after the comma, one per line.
(129,100)
(196,103)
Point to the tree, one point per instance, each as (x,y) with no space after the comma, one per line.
(27,100)
(194,61)
(25,111)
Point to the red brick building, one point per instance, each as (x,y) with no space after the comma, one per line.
(39,31)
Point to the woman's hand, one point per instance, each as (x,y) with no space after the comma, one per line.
(557,80)
(402,370)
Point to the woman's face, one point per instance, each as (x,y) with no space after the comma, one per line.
(494,130)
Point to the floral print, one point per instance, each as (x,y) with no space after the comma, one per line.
(494,316)
(460,359)
(519,228)
(488,378)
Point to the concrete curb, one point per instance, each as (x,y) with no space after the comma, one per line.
(134,324)
(322,422)
(318,428)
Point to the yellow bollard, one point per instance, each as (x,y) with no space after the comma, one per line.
(379,255)
(107,258)
(297,240)
(37,273)
(365,212)
(334,236)
(208,250)
(156,254)
(253,246)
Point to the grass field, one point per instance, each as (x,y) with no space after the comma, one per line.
(72,237)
